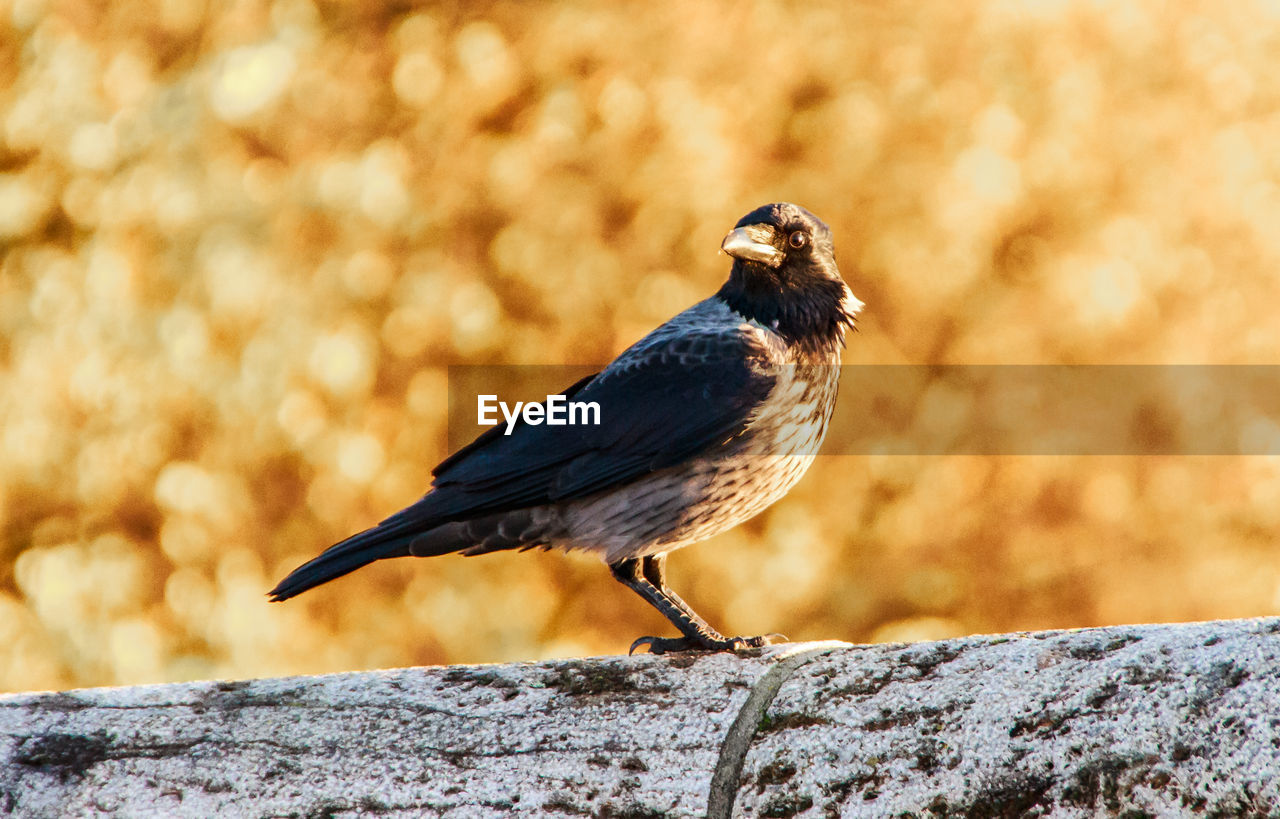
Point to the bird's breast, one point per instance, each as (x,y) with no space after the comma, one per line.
(793,418)
(721,488)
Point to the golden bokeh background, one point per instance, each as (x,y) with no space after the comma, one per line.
(243,242)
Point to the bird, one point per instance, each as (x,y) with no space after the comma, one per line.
(703,423)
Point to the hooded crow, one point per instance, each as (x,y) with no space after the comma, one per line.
(704,422)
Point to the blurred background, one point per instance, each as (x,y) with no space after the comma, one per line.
(243,242)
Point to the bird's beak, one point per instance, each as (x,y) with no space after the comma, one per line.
(754,243)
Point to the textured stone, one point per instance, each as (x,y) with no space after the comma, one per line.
(1137,721)
(1148,720)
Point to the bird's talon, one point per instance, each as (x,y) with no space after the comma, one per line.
(759,641)
(664,645)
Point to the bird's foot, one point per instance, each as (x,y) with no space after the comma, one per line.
(667,645)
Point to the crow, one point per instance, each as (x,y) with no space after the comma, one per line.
(703,423)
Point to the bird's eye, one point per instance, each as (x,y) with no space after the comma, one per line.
(798,239)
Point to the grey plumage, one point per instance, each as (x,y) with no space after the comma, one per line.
(705,422)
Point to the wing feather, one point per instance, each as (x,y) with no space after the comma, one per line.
(659,406)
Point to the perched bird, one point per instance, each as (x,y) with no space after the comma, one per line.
(704,422)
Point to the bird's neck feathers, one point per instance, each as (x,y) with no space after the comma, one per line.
(814,317)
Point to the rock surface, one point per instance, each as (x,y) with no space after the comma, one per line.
(1138,721)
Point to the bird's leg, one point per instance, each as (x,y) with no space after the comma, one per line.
(654,570)
(647,577)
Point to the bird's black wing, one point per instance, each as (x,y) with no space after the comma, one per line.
(499,431)
(660,404)
(658,407)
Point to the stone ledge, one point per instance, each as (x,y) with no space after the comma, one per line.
(1150,720)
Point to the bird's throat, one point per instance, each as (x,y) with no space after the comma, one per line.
(814,316)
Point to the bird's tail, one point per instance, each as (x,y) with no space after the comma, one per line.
(382,541)
(412,532)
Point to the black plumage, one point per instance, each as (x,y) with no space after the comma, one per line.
(704,422)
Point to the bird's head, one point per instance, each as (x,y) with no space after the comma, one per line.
(785,277)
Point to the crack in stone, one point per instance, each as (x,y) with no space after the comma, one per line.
(733,751)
